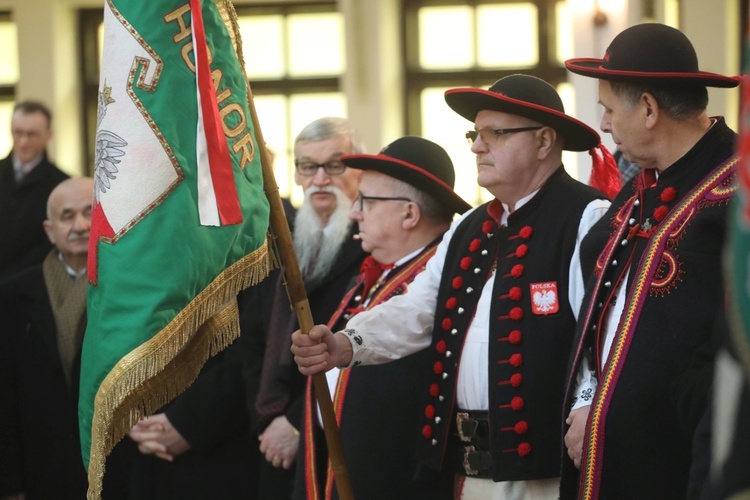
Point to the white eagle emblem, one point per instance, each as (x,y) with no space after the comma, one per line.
(545,300)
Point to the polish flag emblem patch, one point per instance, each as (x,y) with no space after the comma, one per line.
(544,298)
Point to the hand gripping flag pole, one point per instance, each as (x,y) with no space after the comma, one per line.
(296,289)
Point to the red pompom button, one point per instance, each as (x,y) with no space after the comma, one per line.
(447,324)
(465,263)
(437,367)
(660,212)
(440,347)
(524,449)
(516,271)
(669,194)
(515,293)
(516,360)
(427,431)
(521,251)
(434,390)
(521,427)
(515,337)
(526,232)
(451,303)
(516,314)
(458,282)
(475,244)
(429,411)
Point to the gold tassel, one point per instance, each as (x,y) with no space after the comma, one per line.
(160,369)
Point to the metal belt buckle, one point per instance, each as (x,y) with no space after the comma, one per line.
(467,428)
(467,467)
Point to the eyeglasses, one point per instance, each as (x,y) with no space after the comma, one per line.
(491,135)
(309,168)
(362,198)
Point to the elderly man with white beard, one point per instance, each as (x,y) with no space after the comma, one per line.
(201,420)
(329,259)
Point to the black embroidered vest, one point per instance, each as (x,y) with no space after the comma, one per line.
(531,327)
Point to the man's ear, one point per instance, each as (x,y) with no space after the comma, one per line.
(411,215)
(48,229)
(545,141)
(650,109)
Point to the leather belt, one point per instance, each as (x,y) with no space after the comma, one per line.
(470,447)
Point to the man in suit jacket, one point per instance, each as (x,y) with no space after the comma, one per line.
(43,311)
(329,260)
(26,179)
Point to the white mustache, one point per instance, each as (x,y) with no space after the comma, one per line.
(322,189)
(78,236)
(356,237)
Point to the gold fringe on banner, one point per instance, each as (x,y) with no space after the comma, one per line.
(160,369)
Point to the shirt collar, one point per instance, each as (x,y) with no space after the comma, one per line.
(22,169)
(71,272)
(407,258)
(519,204)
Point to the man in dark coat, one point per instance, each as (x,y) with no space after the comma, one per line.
(496,306)
(406,202)
(329,260)
(43,310)
(27,177)
(657,287)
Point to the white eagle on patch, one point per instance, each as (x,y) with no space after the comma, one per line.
(545,300)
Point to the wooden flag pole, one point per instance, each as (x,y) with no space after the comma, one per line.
(290,268)
(298,297)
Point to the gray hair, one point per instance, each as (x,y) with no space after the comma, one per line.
(330,126)
(678,102)
(430,207)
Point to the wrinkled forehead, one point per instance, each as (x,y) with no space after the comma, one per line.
(71,195)
(323,150)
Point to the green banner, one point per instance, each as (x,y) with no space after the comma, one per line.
(175,235)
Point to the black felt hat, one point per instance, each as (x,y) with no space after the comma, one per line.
(527,96)
(650,53)
(418,162)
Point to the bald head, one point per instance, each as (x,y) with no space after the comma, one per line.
(69,219)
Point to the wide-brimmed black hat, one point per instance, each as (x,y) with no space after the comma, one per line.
(418,162)
(650,53)
(527,96)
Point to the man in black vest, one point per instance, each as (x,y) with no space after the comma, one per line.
(656,287)
(406,202)
(497,304)
(27,177)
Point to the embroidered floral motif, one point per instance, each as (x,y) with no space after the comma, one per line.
(586,394)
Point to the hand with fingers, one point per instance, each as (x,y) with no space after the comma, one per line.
(320,350)
(574,437)
(155,435)
(279,442)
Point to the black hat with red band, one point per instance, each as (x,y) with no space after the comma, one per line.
(650,53)
(533,98)
(418,162)
(527,96)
